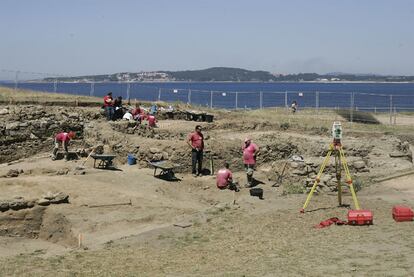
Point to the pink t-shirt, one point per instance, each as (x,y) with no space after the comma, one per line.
(223,177)
(151,120)
(197,140)
(248,153)
(62,137)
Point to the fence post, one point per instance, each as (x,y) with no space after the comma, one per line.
(211,99)
(159,94)
(55,86)
(317,101)
(395,115)
(237,100)
(390,109)
(261,100)
(92,91)
(351,113)
(16,80)
(189,96)
(128,91)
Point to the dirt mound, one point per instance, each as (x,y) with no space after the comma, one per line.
(37,223)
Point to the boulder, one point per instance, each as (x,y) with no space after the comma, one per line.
(4,111)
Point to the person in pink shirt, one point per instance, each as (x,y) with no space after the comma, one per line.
(249,159)
(196,141)
(63,138)
(151,120)
(224,179)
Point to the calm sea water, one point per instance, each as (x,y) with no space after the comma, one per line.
(368,96)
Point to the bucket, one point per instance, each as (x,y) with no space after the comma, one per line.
(131,159)
(258,192)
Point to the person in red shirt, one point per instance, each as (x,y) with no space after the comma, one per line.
(196,141)
(224,179)
(63,138)
(249,159)
(109,106)
(151,120)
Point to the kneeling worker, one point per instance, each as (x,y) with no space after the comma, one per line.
(224,179)
(64,138)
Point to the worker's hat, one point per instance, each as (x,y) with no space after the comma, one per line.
(247,140)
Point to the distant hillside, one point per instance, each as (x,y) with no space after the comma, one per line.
(228,74)
(215,74)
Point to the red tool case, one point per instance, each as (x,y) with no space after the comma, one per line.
(360,217)
(402,213)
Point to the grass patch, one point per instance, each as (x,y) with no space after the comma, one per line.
(294,189)
(358,116)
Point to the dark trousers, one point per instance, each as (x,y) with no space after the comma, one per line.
(196,157)
(109,111)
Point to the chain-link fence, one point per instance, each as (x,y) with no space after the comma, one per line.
(390,103)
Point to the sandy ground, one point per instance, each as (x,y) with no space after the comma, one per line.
(254,237)
(190,228)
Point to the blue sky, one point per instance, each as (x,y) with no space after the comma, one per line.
(95,37)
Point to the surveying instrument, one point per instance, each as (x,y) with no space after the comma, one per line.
(335,149)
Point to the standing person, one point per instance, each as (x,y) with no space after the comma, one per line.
(108,106)
(224,178)
(196,142)
(249,159)
(294,107)
(63,138)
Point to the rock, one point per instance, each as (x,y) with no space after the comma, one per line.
(165,155)
(358,165)
(62,171)
(49,195)
(13,173)
(154,150)
(4,111)
(60,198)
(4,206)
(43,202)
(12,126)
(18,204)
(157,157)
(32,136)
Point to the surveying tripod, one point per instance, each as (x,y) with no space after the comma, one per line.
(335,148)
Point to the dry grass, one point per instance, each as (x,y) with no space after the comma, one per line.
(279,243)
(8,95)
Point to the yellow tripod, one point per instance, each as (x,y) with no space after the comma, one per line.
(335,148)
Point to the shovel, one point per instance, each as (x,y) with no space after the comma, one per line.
(82,166)
(279,179)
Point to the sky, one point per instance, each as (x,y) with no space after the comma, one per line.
(80,37)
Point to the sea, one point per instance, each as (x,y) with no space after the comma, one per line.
(249,95)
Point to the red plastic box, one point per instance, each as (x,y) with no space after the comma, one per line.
(360,217)
(402,213)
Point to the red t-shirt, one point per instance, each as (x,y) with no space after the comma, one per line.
(151,120)
(108,101)
(223,177)
(197,140)
(62,137)
(136,112)
(248,153)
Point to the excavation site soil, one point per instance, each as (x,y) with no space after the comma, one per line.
(69,218)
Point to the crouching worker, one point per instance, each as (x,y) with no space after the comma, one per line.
(224,179)
(63,138)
